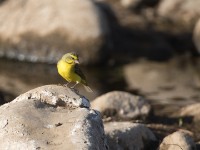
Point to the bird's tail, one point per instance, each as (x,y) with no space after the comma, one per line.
(88,88)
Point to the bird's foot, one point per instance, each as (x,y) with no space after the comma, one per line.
(74,85)
(66,85)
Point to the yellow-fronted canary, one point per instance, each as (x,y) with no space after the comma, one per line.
(68,68)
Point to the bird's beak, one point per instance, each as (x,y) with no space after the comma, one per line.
(77,62)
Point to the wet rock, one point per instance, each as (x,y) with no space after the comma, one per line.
(182,12)
(122,105)
(178,140)
(50,117)
(129,136)
(44,30)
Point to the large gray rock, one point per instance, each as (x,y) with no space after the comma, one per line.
(178,140)
(183,12)
(50,117)
(129,136)
(122,105)
(44,30)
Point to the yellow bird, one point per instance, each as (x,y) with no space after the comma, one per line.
(69,69)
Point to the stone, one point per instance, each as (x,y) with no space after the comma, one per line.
(56,96)
(178,140)
(50,117)
(122,105)
(129,136)
(183,12)
(44,30)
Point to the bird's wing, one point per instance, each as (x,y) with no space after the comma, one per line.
(80,73)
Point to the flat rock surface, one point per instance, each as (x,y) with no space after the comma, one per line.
(42,119)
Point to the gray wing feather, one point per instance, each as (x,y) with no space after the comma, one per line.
(79,72)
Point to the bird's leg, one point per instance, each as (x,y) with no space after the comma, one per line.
(66,85)
(73,88)
(74,85)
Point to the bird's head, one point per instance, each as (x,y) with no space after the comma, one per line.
(71,58)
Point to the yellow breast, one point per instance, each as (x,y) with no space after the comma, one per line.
(67,72)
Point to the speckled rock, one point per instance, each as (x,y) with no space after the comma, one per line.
(50,117)
(56,96)
(44,30)
(123,105)
(129,136)
(178,140)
